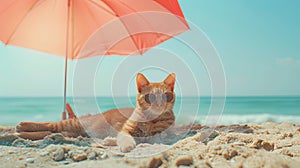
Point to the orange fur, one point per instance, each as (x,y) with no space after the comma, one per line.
(153,114)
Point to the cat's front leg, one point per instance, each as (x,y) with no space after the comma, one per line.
(126,142)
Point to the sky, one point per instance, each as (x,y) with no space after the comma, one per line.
(258,43)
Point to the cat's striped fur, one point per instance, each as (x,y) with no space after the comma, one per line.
(152,115)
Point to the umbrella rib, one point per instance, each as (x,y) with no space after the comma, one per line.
(145,20)
(9,38)
(156,3)
(93,2)
(99,7)
(125,27)
(95,20)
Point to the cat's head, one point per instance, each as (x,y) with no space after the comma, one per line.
(155,97)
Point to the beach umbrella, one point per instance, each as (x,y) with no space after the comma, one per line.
(63,27)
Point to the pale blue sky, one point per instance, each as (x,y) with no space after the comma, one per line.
(258,42)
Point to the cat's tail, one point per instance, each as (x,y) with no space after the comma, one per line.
(38,130)
(70,125)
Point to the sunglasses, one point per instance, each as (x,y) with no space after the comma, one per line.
(150,98)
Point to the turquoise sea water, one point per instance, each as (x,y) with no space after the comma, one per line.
(188,109)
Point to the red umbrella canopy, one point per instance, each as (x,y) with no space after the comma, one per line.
(63,27)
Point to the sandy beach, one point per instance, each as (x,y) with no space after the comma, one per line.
(265,145)
(98,68)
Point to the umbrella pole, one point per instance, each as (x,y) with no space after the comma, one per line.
(64,114)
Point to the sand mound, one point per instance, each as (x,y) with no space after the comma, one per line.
(265,145)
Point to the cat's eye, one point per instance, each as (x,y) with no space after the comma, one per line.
(168,96)
(150,98)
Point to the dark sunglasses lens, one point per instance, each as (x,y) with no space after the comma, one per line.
(168,96)
(150,98)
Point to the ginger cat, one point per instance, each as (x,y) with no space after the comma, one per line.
(153,114)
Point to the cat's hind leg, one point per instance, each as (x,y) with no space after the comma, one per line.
(74,134)
(33,135)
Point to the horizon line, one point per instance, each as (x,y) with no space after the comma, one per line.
(120,96)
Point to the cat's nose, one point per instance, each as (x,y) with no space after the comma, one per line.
(161,104)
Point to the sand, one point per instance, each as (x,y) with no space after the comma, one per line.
(238,146)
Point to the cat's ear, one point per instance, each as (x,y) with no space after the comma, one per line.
(170,80)
(141,81)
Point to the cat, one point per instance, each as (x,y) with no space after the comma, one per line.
(153,114)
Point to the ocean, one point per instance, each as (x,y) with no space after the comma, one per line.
(237,110)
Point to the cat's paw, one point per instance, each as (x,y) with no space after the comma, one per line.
(25,126)
(125,142)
